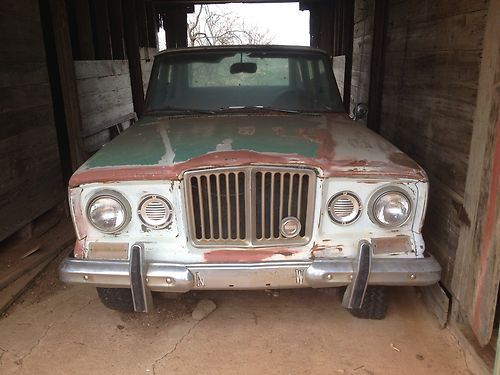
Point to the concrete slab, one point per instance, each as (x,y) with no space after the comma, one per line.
(57,329)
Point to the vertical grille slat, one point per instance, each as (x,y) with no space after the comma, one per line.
(237,185)
(245,206)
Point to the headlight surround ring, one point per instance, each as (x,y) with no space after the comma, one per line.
(155,211)
(114,211)
(392,195)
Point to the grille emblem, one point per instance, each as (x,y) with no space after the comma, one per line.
(290,227)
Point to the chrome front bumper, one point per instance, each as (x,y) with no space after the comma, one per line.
(164,277)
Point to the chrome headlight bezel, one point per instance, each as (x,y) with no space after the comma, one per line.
(357,207)
(383,192)
(144,216)
(117,197)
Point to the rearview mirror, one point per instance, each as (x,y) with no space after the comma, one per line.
(360,111)
(243,68)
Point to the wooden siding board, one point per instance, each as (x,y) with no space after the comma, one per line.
(431,68)
(477,272)
(105,96)
(31,180)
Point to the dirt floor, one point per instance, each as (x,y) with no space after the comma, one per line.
(58,329)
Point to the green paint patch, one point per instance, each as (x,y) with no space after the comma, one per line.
(192,137)
(138,145)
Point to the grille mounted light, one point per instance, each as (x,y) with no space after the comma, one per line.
(155,211)
(344,208)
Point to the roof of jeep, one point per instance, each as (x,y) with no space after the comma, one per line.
(251,47)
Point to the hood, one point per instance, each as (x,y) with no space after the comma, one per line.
(163,148)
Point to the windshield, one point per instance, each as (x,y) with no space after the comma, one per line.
(226,79)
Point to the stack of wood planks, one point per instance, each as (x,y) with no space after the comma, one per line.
(25,254)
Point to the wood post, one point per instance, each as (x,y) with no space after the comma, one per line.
(175,23)
(67,79)
(102,29)
(84,32)
(476,273)
(348,30)
(116,29)
(377,66)
(133,55)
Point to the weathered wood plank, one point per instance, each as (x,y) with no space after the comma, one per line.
(27,96)
(94,86)
(23,271)
(477,272)
(147,58)
(67,79)
(22,120)
(29,156)
(116,29)
(23,73)
(102,35)
(437,302)
(85,48)
(105,102)
(133,53)
(100,68)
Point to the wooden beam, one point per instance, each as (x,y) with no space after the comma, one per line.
(377,65)
(84,31)
(142,24)
(116,29)
(476,274)
(176,26)
(133,55)
(67,79)
(348,30)
(102,30)
(152,24)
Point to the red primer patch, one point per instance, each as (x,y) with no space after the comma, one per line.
(243,256)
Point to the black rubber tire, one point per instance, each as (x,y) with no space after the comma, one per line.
(119,299)
(374,305)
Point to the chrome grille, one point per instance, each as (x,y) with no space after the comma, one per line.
(245,206)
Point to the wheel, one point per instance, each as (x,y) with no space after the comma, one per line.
(374,304)
(116,298)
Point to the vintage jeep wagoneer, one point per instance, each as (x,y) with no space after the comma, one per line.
(245,172)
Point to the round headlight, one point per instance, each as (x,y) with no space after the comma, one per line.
(155,211)
(391,208)
(108,212)
(344,208)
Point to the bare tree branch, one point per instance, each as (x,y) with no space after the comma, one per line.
(212,26)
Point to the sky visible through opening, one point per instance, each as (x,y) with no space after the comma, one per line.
(284,23)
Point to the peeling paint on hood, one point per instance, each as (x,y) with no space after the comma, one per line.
(163,148)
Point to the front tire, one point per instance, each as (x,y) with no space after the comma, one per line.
(374,304)
(119,299)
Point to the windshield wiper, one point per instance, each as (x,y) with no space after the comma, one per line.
(179,110)
(258,107)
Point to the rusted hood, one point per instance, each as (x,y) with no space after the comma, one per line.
(163,148)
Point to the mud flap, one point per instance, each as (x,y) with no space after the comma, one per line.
(355,292)
(141,295)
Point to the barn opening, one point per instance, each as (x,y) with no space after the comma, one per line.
(75,76)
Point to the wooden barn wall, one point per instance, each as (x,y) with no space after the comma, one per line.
(105,96)
(31,181)
(431,69)
(361,53)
